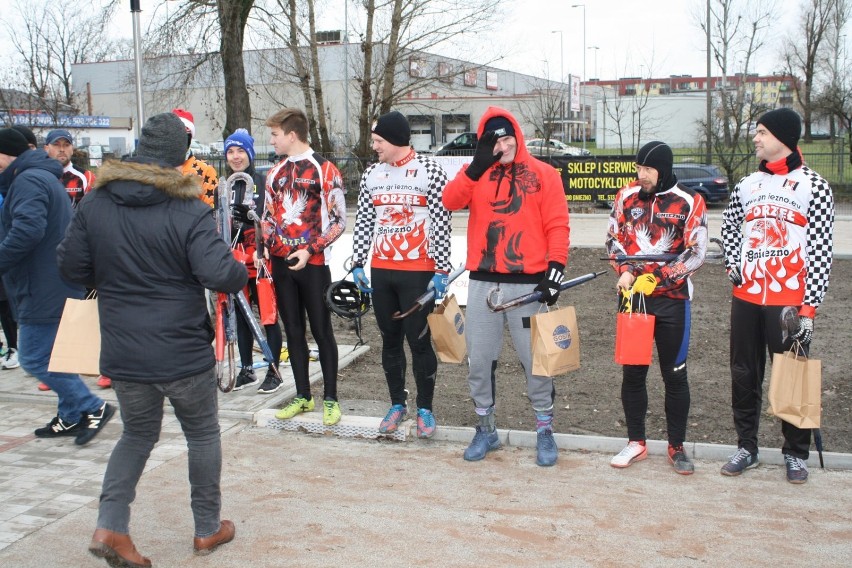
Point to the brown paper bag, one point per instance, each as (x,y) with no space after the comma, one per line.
(446,323)
(795,388)
(555,342)
(77,348)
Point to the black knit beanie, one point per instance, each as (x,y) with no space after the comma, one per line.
(785,125)
(28,134)
(163,139)
(658,155)
(12,142)
(394,128)
(496,123)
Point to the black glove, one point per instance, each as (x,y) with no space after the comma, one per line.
(240,213)
(484,157)
(549,286)
(806,331)
(734,276)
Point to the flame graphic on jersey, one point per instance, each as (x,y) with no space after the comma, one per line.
(405,245)
(778,272)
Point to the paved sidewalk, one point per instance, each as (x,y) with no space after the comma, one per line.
(310,500)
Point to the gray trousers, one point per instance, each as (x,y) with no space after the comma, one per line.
(484,338)
(196,407)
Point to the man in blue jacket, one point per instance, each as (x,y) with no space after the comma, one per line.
(33,218)
(150,247)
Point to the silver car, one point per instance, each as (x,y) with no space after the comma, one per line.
(552,147)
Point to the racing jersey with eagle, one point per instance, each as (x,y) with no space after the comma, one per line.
(306,206)
(400,213)
(778,228)
(207,174)
(77,183)
(673,221)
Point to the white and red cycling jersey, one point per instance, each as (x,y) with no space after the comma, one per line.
(778,230)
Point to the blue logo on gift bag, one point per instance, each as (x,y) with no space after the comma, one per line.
(562,337)
(458,322)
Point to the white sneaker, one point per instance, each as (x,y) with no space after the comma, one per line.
(632,452)
(10,361)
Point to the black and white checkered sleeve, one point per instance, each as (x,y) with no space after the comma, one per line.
(440,219)
(820,239)
(365,222)
(732,228)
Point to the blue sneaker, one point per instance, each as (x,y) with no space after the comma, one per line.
(739,462)
(546,450)
(425,423)
(393,419)
(482,443)
(797,469)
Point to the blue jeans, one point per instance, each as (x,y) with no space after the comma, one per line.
(196,406)
(36,344)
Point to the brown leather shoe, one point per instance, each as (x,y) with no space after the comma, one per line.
(117,549)
(208,544)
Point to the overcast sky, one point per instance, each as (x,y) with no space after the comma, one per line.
(633,37)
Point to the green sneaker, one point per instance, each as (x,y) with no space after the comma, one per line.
(298,405)
(330,412)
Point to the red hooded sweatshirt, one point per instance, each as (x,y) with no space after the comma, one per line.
(518,215)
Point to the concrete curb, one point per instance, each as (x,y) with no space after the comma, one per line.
(367,427)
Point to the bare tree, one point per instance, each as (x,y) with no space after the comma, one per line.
(626,117)
(47,39)
(835,97)
(739,31)
(209,36)
(397,30)
(802,54)
(543,110)
(233,16)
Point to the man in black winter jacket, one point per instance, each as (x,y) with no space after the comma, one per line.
(150,247)
(33,218)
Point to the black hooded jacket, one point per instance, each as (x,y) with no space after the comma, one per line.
(150,247)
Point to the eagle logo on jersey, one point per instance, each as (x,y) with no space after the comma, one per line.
(293,205)
(645,240)
(397,215)
(767,233)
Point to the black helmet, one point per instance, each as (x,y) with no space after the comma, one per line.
(346,300)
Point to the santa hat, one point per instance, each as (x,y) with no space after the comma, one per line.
(187,119)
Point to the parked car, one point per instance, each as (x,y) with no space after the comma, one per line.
(708,180)
(199,149)
(552,147)
(462,145)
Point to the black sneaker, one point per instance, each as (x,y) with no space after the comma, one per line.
(797,469)
(739,462)
(58,427)
(680,461)
(246,378)
(271,383)
(94,423)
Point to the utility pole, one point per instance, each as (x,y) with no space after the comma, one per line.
(135,9)
(561,86)
(709,157)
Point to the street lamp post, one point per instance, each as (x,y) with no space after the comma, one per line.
(561,86)
(596,48)
(135,9)
(582,103)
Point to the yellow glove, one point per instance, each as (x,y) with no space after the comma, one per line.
(645,284)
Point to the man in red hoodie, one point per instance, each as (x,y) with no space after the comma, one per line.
(517,242)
